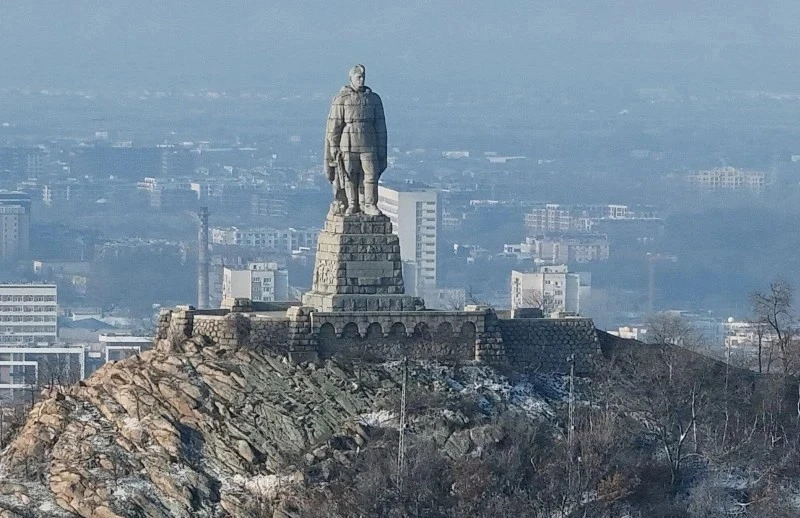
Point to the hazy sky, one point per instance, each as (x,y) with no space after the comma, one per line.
(453,44)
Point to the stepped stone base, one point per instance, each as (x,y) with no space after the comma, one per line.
(347,302)
(358,267)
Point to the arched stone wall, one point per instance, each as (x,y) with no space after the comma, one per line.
(527,343)
(422,332)
(374,332)
(393,335)
(467,331)
(326,339)
(444,331)
(350,331)
(398,330)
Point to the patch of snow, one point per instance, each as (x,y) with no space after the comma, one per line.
(129,487)
(532,394)
(379,419)
(268,486)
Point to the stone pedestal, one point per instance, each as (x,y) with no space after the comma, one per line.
(358,267)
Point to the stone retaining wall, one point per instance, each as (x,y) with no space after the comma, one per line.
(452,336)
(550,344)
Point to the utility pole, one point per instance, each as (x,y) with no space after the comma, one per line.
(401,447)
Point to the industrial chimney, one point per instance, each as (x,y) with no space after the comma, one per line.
(202,259)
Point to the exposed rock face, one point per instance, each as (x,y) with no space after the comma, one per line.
(196,429)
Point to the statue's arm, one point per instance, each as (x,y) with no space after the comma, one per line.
(380,132)
(335,126)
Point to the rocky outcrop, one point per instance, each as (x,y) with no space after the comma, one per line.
(196,429)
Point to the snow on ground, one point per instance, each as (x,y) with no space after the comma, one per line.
(533,394)
(379,419)
(267,486)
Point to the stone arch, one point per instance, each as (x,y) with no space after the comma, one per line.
(374,332)
(398,329)
(444,331)
(327,331)
(422,331)
(467,331)
(327,339)
(350,330)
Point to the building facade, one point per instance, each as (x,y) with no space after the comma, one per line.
(274,240)
(259,282)
(15,223)
(579,248)
(413,212)
(117,346)
(30,367)
(28,314)
(729,179)
(570,249)
(550,288)
(28,332)
(556,218)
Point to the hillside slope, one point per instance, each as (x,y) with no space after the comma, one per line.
(198,430)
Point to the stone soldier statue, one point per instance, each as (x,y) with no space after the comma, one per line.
(355,146)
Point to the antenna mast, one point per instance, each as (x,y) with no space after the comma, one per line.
(401,447)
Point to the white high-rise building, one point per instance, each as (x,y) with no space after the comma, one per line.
(28,314)
(259,282)
(28,332)
(414,215)
(551,288)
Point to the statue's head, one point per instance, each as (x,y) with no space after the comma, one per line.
(357,76)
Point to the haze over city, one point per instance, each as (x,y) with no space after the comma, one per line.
(359,258)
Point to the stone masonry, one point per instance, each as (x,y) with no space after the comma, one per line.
(358,267)
(477,334)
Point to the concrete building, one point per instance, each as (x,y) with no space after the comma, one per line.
(15,223)
(28,314)
(118,346)
(412,209)
(578,248)
(259,282)
(28,367)
(630,333)
(445,299)
(271,239)
(572,218)
(729,179)
(551,288)
(571,249)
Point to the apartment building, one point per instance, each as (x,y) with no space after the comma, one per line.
(15,223)
(274,240)
(550,288)
(28,314)
(582,248)
(413,211)
(259,282)
(729,179)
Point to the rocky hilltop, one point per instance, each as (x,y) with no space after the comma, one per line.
(204,430)
(197,429)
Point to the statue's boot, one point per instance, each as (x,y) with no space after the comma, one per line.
(371,199)
(351,190)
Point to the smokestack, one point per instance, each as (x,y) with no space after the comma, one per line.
(202,260)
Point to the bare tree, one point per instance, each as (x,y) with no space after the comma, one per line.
(538,300)
(57,372)
(773,309)
(671,329)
